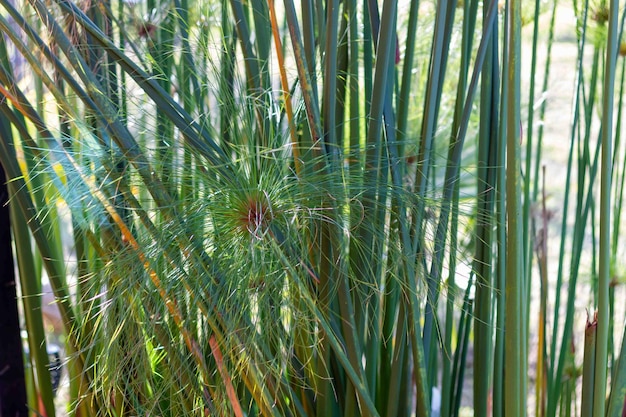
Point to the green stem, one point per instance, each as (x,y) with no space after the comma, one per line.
(604,278)
(515,352)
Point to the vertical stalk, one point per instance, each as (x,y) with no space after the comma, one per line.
(285,88)
(305,74)
(30,288)
(368,46)
(588,368)
(501,212)
(557,362)
(528,255)
(13,401)
(446,372)
(31,293)
(515,343)
(542,260)
(487,153)
(460,354)
(604,277)
(617,399)
(407,73)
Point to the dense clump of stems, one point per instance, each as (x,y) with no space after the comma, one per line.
(259,208)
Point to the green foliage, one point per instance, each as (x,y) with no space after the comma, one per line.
(244,208)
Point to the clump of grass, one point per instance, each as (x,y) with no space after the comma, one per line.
(269,229)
